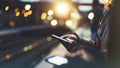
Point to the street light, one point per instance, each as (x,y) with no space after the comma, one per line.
(50,12)
(62,8)
(69,23)
(53,22)
(7,8)
(91,15)
(27,7)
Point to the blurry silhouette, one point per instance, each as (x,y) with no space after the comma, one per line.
(98,14)
(96,49)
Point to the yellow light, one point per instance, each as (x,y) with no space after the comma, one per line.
(25,14)
(6,8)
(17,14)
(54,22)
(91,15)
(27,7)
(25,49)
(62,8)
(69,23)
(29,12)
(44,16)
(50,12)
(49,38)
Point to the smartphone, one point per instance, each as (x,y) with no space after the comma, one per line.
(61,39)
(56,60)
(67,44)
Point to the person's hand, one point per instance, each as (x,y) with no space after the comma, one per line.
(73,37)
(82,54)
(76,50)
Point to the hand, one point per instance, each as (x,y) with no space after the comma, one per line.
(73,37)
(82,54)
(76,50)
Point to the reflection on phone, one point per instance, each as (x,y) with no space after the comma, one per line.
(57,60)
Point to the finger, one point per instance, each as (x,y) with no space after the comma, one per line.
(72,40)
(69,35)
(71,54)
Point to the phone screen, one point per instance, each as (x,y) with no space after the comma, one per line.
(57,60)
(61,39)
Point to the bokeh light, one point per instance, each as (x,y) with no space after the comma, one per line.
(7,8)
(50,12)
(54,22)
(23,11)
(76,15)
(29,12)
(44,16)
(25,49)
(49,38)
(30,47)
(69,23)
(27,7)
(16,10)
(17,14)
(103,1)
(91,15)
(8,56)
(49,18)
(25,14)
(62,8)
(85,8)
(12,24)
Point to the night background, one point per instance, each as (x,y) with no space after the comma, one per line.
(26,27)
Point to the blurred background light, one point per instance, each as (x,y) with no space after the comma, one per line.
(50,12)
(62,8)
(12,24)
(23,11)
(85,8)
(75,15)
(44,16)
(25,49)
(91,15)
(29,12)
(69,23)
(25,14)
(103,1)
(30,47)
(49,38)
(17,14)
(16,10)
(27,7)
(53,22)
(7,8)
(29,0)
(83,1)
(49,18)
(8,56)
